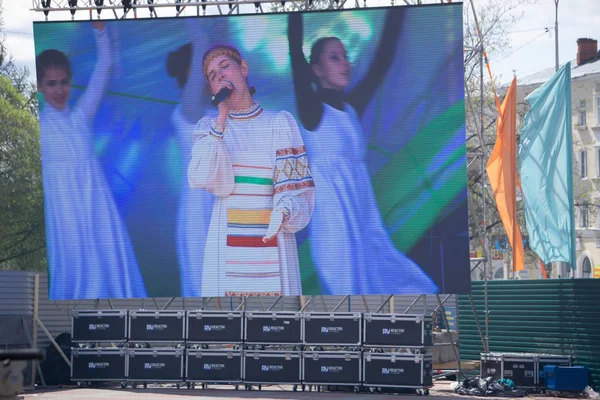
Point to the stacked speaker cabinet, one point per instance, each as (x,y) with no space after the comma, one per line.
(273,348)
(99,340)
(99,326)
(214,348)
(147,326)
(156,346)
(213,366)
(397,352)
(332,329)
(398,370)
(272,367)
(214,327)
(332,355)
(332,368)
(273,328)
(98,364)
(155,365)
(398,330)
(340,351)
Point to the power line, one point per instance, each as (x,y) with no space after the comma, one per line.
(532,30)
(17,33)
(525,44)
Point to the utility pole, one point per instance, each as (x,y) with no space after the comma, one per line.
(556,35)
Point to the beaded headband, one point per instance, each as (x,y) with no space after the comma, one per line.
(221,50)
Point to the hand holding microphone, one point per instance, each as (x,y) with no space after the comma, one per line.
(224,90)
(222,94)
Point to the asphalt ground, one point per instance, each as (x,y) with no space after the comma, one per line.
(441,390)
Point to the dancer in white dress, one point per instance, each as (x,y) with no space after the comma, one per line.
(195,206)
(254,161)
(90,254)
(349,244)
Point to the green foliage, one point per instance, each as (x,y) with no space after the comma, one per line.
(22,237)
(22,240)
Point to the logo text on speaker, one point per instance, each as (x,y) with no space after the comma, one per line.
(392,331)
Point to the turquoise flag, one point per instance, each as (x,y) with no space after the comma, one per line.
(545,155)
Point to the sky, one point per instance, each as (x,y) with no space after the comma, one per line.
(531,48)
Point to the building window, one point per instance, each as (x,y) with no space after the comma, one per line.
(583,163)
(565,270)
(597,109)
(598,163)
(582,105)
(585,216)
(586,268)
(597,97)
(499,274)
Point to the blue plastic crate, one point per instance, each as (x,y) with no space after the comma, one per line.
(566,379)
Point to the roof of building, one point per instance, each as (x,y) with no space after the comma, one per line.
(577,71)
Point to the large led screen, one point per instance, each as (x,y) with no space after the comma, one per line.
(333,162)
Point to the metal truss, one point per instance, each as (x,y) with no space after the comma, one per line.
(122,9)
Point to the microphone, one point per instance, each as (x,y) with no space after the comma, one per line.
(221,95)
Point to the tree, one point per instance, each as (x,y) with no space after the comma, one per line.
(19,76)
(496,19)
(22,239)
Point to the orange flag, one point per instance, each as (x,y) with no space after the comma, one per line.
(502,171)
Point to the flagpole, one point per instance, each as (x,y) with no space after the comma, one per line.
(486,253)
(569,126)
(513,183)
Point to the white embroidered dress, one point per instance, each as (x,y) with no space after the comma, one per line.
(259,163)
(90,255)
(350,245)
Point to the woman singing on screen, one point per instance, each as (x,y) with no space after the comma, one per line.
(349,243)
(254,162)
(195,206)
(89,250)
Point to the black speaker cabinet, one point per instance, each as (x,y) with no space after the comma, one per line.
(99,364)
(156,326)
(214,327)
(397,330)
(98,326)
(273,327)
(338,329)
(213,365)
(401,370)
(332,367)
(283,367)
(155,365)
